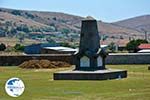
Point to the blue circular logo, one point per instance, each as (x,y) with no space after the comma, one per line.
(14,87)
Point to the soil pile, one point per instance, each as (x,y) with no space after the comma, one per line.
(37,64)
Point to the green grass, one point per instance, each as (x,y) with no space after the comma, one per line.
(40,86)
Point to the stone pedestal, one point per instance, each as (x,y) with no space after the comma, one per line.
(90,75)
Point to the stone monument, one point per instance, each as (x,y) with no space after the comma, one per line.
(90,59)
(90,56)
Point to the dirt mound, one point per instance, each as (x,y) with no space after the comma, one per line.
(37,64)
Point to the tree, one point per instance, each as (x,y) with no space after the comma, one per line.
(30,15)
(19,47)
(2,32)
(132,46)
(65,31)
(104,37)
(54,18)
(51,40)
(121,37)
(21,37)
(16,12)
(2,47)
(23,28)
(64,44)
(112,47)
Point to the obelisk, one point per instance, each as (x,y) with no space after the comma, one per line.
(90,56)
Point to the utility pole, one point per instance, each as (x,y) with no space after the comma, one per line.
(146,34)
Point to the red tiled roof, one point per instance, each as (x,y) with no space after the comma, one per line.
(144,46)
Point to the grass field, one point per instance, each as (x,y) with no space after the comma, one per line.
(14,41)
(40,85)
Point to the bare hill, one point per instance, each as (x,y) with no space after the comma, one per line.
(13,21)
(136,23)
(41,19)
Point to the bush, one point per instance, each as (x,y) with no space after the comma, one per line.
(65,31)
(19,47)
(16,12)
(30,15)
(23,28)
(2,47)
(112,47)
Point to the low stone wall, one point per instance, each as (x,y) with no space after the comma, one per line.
(133,58)
(15,60)
(128,58)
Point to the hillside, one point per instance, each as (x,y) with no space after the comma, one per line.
(136,23)
(61,27)
(40,19)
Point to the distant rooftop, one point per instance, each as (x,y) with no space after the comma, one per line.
(144,51)
(144,46)
(104,46)
(61,48)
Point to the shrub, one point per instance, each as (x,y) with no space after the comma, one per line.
(112,47)
(16,12)
(19,47)
(65,31)
(2,47)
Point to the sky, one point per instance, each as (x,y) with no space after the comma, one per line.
(105,10)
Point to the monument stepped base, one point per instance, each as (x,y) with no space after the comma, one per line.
(90,75)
